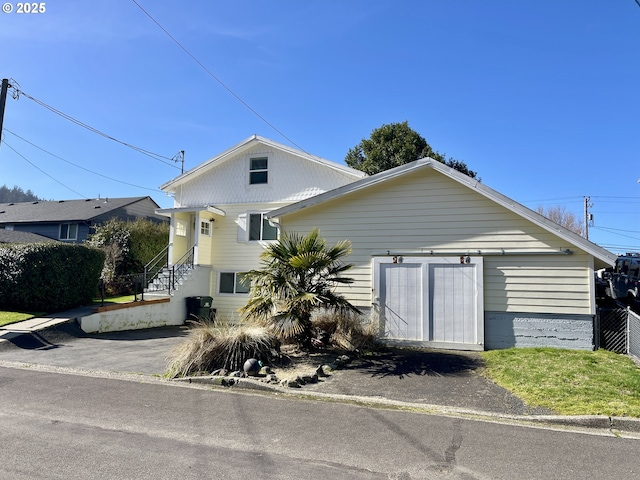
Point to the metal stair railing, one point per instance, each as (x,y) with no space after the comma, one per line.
(180,269)
(156,265)
(167,277)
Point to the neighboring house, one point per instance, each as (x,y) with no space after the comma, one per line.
(442,259)
(9,236)
(448,262)
(220,206)
(71,220)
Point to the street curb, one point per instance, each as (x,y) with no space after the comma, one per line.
(595,422)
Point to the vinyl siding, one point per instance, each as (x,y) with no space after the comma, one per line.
(227,254)
(427,210)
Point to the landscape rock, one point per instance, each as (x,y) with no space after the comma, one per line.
(271,378)
(313,378)
(252,367)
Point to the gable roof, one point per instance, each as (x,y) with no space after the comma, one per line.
(473,184)
(10,236)
(63,210)
(246,145)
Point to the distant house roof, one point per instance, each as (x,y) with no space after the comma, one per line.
(10,236)
(562,232)
(247,144)
(63,210)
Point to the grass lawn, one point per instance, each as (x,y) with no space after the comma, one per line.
(7,318)
(121,299)
(569,382)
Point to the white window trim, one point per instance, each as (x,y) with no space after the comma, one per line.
(235,283)
(181,225)
(262,219)
(68,229)
(208,228)
(258,157)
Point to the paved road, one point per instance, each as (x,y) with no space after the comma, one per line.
(67,426)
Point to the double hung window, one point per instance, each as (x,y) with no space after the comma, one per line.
(258,170)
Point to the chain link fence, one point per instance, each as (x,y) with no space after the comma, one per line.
(618,330)
(612,328)
(633,328)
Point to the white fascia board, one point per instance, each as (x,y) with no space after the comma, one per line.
(203,208)
(249,142)
(543,222)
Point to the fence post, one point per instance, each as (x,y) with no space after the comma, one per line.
(596,330)
(628,332)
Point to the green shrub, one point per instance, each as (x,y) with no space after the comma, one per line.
(48,277)
(129,246)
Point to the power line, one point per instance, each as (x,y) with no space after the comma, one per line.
(148,153)
(620,230)
(228,89)
(38,168)
(79,166)
(608,230)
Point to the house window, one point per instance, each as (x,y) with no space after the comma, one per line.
(68,231)
(258,170)
(260,228)
(181,228)
(205,228)
(231,282)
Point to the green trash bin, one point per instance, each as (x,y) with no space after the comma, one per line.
(200,308)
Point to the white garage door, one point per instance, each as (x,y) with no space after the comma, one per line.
(438,301)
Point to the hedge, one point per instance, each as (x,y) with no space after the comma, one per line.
(48,277)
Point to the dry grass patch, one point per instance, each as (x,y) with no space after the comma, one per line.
(346,330)
(222,345)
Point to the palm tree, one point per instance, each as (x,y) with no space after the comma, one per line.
(298,275)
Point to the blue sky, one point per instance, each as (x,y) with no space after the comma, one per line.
(540,97)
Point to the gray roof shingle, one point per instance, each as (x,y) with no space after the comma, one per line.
(10,236)
(61,210)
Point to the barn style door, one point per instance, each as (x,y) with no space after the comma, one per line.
(436,301)
(402,299)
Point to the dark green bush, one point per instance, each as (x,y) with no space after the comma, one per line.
(129,246)
(48,277)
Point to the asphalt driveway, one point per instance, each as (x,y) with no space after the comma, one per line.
(436,377)
(66,345)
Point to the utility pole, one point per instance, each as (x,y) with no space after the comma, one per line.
(587,216)
(179,157)
(3,101)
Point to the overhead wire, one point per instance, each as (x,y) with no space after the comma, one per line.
(79,166)
(155,156)
(42,171)
(212,75)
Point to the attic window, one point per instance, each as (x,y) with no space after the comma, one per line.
(258,170)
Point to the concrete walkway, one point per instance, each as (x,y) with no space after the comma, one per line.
(40,323)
